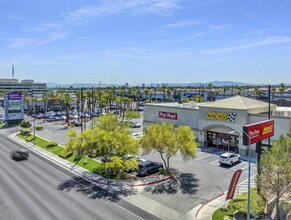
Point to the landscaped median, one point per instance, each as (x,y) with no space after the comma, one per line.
(85,162)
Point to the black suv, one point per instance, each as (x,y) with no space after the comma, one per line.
(19,154)
(147,167)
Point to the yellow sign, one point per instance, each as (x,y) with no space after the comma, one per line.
(221,116)
(268,130)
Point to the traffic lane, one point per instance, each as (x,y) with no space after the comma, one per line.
(33,190)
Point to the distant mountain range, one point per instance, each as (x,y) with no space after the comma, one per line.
(214,83)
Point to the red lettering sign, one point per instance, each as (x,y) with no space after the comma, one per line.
(256,132)
(168,115)
(233,183)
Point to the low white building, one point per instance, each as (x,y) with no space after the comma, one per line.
(219,124)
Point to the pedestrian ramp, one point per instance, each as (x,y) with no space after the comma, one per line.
(243,186)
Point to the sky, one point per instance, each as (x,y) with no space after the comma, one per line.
(146,41)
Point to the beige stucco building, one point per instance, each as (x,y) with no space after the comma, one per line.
(218,124)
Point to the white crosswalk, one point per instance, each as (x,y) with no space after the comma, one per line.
(243,186)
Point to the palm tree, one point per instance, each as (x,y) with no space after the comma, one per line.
(257,92)
(282,89)
(273,90)
(45,98)
(65,95)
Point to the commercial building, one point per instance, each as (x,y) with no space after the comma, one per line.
(27,85)
(220,123)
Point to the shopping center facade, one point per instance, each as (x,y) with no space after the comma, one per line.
(220,123)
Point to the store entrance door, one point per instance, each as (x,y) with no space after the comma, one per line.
(227,142)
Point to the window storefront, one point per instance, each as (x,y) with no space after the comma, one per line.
(228,142)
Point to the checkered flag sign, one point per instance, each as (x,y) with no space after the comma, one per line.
(231,116)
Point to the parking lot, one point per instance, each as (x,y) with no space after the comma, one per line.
(197,181)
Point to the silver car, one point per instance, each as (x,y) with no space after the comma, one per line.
(229,158)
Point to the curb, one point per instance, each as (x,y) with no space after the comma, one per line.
(216,197)
(15,139)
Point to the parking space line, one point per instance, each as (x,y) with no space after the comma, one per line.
(201,158)
(215,162)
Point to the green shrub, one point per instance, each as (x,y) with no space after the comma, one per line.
(25,124)
(257,203)
(30,138)
(39,128)
(122,175)
(166,172)
(25,132)
(51,144)
(64,154)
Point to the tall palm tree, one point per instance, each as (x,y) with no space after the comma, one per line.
(45,98)
(65,96)
(282,89)
(273,90)
(257,92)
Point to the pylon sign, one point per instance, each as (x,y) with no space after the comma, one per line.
(256,132)
(14,106)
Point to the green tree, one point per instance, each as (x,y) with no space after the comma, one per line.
(131,114)
(167,140)
(65,95)
(108,138)
(275,177)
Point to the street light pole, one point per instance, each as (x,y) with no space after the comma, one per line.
(33,105)
(249,176)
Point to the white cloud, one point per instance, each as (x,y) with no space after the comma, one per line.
(110,7)
(21,42)
(10,17)
(57,28)
(263,42)
(187,23)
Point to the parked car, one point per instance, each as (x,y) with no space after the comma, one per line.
(51,118)
(19,154)
(229,158)
(148,167)
(136,135)
(134,124)
(76,123)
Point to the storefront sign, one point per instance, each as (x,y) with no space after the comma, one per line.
(221,116)
(256,132)
(233,183)
(168,115)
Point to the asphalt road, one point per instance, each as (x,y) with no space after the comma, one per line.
(38,189)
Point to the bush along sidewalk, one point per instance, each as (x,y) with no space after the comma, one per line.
(238,206)
(85,162)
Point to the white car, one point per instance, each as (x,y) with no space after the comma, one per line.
(136,135)
(229,159)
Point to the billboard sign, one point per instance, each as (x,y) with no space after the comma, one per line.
(256,132)
(233,183)
(168,115)
(14,108)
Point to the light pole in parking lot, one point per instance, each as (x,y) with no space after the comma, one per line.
(249,170)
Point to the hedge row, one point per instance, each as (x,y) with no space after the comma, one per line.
(30,138)
(65,154)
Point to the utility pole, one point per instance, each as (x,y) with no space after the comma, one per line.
(92,112)
(82,116)
(33,106)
